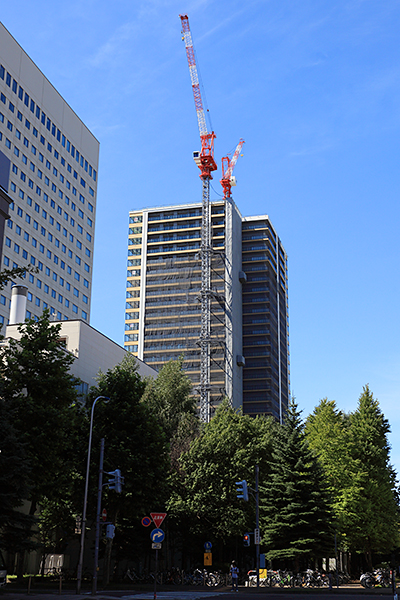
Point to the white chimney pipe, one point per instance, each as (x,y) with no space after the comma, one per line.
(18,304)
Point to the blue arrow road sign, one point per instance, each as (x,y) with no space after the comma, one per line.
(157,535)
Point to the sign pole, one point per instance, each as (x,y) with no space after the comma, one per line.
(97,540)
(257,528)
(155,578)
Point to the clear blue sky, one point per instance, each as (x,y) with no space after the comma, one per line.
(313,86)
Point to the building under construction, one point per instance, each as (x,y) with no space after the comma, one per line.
(248,299)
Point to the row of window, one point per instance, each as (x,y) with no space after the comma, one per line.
(41,157)
(43,176)
(44,120)
(50,237)
(61,229)
(57,261)
(53,311)
(46,162)
(43,212)
(55,276)
(67,217)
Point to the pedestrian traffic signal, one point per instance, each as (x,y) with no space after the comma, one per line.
(116,482)
(241,490)
(246,539)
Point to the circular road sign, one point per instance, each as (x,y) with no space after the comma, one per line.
(157,535)
(146,521)
(207,546)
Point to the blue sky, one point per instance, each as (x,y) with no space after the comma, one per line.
(313,86)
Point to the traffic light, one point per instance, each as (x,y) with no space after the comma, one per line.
(116,482)
(241,490)
(246,539)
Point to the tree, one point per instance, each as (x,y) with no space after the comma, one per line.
(204,499)
(376,522)
(39,392)
(7,275)
(169,397)
(294,503)
(15,526)
(327,431)
(135,444)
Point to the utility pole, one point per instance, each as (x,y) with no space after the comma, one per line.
(257,532)
(97,541)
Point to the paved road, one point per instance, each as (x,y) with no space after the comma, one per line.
(344,593)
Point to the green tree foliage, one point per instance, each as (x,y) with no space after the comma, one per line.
(169,397)
(294,502)
(7,275)
(135,444)
(328,434)
(14,487)
(227,450)
(38,390)
(375,528)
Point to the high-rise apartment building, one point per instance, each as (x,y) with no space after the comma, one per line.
(52,183)
(249,349)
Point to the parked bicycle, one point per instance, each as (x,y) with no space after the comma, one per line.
(378,578)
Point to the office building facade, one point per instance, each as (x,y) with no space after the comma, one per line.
(52,183)
(249,348)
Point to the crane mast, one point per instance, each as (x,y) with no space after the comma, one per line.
(206,163)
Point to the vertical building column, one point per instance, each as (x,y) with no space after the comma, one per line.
(142,297)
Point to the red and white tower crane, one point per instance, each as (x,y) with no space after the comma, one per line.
(228,164)
(206,163)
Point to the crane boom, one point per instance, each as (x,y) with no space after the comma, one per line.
(227,169)
(198,102)
(206,162)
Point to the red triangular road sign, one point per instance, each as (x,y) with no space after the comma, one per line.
(158,518)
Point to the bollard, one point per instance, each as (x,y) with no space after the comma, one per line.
(29,584)
(60,585)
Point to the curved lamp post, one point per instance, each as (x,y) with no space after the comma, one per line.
(80,564)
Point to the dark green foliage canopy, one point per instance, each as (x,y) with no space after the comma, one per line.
(294,510)
(38,390)
(14,486)
(38,429)
(134,443)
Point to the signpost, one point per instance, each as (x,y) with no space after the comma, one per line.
(158,518)
(157,536)
(207,554)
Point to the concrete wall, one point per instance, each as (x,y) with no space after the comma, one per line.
(94,351)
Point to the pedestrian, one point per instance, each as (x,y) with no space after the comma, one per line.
(234,574)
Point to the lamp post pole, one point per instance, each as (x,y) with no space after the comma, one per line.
(80,564)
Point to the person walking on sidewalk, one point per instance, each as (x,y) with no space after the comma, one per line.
(234,574)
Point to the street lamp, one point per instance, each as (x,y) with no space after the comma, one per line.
(80,564)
